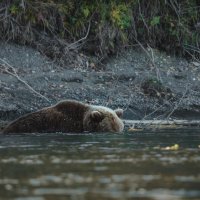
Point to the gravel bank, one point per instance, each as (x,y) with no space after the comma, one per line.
(174,89)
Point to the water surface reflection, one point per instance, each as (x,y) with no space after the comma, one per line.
(139,165)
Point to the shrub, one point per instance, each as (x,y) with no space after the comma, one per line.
(102,27)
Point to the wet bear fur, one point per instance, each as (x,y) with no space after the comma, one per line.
(69,116)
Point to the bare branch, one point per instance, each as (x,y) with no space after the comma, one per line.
(178,103)
(71,46)
(8,67)
(153,61)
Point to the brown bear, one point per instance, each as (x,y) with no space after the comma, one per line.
(69,116)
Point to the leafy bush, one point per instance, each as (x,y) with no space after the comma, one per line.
(102,27)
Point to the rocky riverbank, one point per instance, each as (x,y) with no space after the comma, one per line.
(146,83)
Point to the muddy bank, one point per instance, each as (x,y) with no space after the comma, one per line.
(147,84)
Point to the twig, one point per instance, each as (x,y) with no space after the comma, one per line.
(177,105)
(153,61)
(142,17)
(78,41)
(6,66)
(151,56)
(144,49)
(192,48)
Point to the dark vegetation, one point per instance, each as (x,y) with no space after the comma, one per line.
(61,28)
(154,87)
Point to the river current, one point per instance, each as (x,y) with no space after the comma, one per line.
(152,164)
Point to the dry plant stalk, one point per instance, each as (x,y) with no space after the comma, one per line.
(12,71)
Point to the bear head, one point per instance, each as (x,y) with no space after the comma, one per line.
(99,118)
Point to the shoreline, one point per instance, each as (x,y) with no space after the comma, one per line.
(169,89)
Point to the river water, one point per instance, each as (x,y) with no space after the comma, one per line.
(161,165)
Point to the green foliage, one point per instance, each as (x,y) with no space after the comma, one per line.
(155,21)
(169,25)
(121,16)
(14,10)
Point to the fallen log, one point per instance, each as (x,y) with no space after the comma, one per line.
(161,123)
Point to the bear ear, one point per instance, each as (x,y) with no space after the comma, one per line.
(96,116)
(119,112)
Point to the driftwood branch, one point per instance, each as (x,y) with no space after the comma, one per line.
(12,71)
(154,123)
